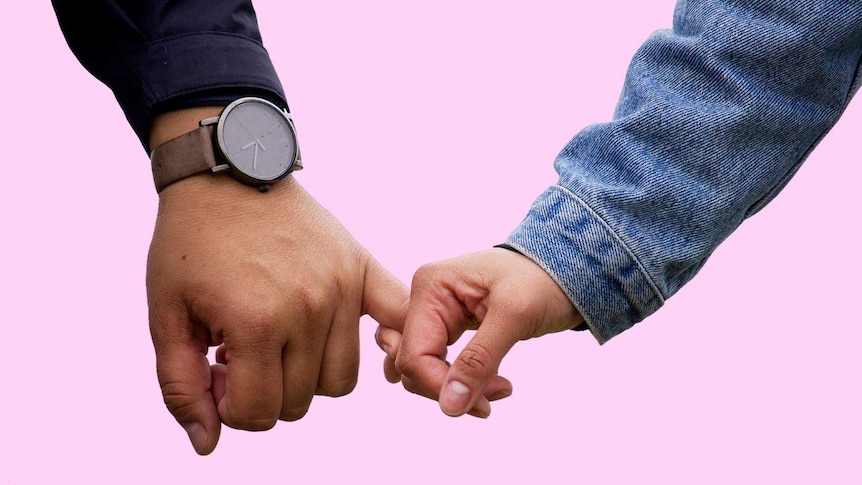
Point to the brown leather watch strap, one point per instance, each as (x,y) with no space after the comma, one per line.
(183,157)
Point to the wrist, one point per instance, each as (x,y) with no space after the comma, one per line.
(208,195)
(252,140)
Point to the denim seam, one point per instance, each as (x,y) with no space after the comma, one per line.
(588,261)
(617,238)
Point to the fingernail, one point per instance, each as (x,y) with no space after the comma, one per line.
(197,435)
(455,398)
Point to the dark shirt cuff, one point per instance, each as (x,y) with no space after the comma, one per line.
(199,69)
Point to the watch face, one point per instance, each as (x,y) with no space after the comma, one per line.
(257,139)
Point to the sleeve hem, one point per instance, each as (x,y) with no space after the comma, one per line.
(600,275)
(180,67)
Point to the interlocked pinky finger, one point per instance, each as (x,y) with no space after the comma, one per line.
(390,371)
(389,340)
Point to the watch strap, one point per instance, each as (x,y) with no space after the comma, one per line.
(182,157)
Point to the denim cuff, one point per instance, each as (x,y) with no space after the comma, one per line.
(600,275)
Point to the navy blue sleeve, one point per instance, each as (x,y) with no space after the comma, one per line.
(162,55)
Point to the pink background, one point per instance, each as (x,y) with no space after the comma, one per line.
(427,130)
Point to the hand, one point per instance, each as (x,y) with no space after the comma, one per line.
(274,280)
(502,294)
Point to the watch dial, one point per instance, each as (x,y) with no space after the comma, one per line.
(258,140)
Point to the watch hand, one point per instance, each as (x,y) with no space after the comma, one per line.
(256,144)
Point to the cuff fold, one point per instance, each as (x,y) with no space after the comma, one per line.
(600,275)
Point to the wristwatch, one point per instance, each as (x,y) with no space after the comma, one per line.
(252,139)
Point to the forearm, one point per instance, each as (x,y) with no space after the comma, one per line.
(714,118)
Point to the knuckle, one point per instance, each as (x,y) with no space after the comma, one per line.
(475,360)
(405,364)
(312,303)
(256,323)
(262,317)
(426,275)
(180,403)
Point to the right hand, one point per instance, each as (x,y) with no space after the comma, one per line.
(504,296)
(278,283)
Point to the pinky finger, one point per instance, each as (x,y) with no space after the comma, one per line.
(389,371)
(221,355)
(388,340)
(219,376)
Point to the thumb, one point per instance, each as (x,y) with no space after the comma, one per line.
(385,297)
(468,378)
(186,380)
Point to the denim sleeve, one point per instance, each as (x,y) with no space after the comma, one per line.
(160,55)
(715,117)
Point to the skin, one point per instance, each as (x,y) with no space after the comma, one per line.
(501,294)
(274,280)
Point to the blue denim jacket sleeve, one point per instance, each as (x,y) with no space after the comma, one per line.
(714,118)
